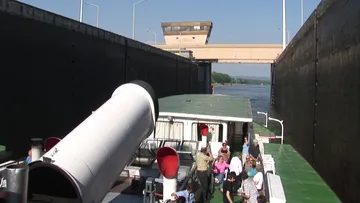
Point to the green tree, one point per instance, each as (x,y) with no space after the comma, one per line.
(220,77)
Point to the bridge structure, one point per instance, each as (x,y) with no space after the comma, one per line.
(55,71)
(193,38)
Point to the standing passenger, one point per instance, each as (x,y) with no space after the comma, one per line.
(254,150)
(228,192)
(236,166)
(202,164)
(245,150)
(28,158)
(258,178)
(250,193)
(224,152)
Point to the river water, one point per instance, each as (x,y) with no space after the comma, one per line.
(259,96)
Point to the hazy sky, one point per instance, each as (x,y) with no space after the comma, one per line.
(234,21)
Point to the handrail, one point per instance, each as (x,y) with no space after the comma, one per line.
(265,185)
(186,180)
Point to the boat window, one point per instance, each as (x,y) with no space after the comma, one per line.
(220,139)
(176,144)
(214,132)
(167,130)
(190,146)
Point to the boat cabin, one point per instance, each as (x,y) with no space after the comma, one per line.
(212,119)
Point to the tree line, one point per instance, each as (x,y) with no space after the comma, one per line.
(223,78)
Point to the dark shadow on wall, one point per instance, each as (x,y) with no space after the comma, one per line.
(317,92)
(55,73)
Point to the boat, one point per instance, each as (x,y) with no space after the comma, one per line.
(178,134)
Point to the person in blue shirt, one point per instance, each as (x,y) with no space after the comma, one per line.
(245,150)
(251,172)
(28,158)
(187,194)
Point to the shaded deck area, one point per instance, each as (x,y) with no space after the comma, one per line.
(300,181)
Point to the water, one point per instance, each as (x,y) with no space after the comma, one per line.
(259,96)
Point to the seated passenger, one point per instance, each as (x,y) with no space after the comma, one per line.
(249,191)
(219,170)
(28,158)
(224,152)
(187,194)
(251,171)
(258,179)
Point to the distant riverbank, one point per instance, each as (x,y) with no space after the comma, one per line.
(221,84)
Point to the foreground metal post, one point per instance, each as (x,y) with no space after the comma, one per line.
(17,177)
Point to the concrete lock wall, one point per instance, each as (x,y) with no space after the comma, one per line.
(55,71)
(316,91)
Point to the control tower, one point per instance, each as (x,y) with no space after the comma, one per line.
(185,33)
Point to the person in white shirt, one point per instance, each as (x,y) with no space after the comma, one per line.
(187,194)
(236,166)
(258,179)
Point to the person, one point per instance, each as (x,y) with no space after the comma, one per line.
(178,200)
(249,193)
(228,192)
(245,150)
(219,170)
(28,158)
(247,163)
(254,150)
(181,200)
(202,167)
(261,199)
(187,194)
(258,178)
(251,171)
(224,152)
(236,166)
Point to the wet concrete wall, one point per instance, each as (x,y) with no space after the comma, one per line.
(55,71)
(316,85)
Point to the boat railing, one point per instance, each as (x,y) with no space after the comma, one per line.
(146,153)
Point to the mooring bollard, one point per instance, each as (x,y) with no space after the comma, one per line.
(16,177)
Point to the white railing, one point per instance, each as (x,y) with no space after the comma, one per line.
(276,190)
(268,163)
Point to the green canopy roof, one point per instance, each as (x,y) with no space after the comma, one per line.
(207,106)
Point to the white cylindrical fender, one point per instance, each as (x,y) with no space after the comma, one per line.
(168,164)
(85,164)
(36,149)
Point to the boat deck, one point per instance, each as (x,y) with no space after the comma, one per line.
(300,181)
(262,131)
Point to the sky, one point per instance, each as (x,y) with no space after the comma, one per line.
(234,21)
